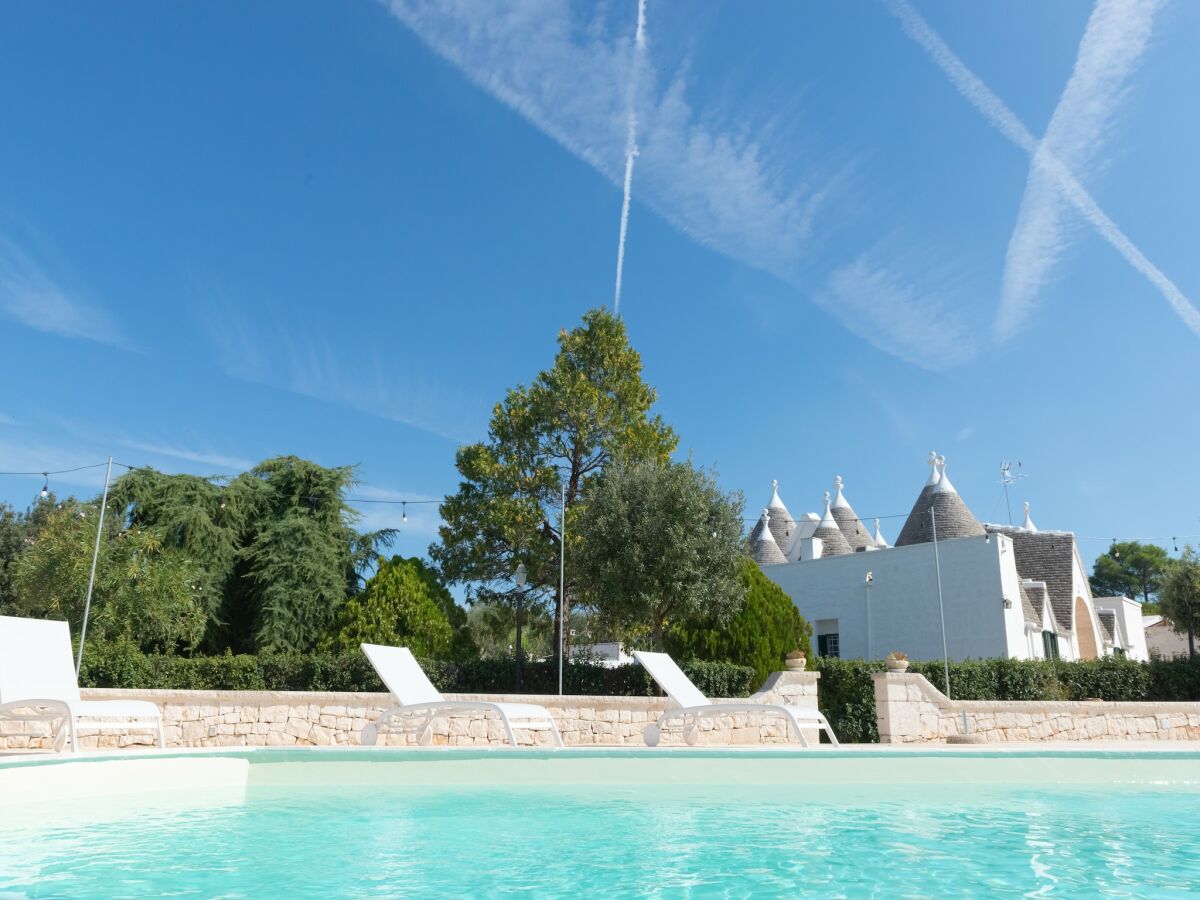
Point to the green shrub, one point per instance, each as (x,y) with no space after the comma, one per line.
(761,634)
(122,666)
(846,695)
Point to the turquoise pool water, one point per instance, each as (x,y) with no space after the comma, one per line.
(623,840)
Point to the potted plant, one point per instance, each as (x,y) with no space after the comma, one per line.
(896,661)
(796,661)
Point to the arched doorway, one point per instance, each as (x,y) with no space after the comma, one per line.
(1084,633)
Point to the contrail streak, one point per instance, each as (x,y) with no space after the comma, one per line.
(631,150)
(1006,122)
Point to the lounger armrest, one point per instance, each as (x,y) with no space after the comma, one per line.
(43,706)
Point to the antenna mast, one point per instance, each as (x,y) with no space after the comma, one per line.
(1007,477)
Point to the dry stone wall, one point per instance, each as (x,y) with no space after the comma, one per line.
(296,718)
(911,710)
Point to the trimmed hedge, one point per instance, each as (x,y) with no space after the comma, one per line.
(847,691)
(118,666)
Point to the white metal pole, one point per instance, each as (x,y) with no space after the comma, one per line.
(87,605)
(941,607)
(562,570)
(869,656)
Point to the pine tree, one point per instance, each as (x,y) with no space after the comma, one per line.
(575,417)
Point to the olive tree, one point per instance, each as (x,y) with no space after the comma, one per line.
(660,542)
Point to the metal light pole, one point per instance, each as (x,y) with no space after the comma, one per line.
(868,581)
(941,607)
(87,605)
(562,570)
(520,579)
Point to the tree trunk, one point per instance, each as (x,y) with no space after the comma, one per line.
(658,634)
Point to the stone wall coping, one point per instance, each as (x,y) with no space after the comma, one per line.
(362,698)
(1095,707)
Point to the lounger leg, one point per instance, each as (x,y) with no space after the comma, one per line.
(652,733)
(162,743)
(512,738)
(425,733)
(799,733)
(829,731)
(74,738)
(558,741)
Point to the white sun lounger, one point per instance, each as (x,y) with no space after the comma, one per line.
(37,684)
(691,705)
(415,693)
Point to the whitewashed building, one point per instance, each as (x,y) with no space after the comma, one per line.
(1006,591)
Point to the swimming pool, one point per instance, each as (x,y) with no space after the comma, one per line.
(672,823)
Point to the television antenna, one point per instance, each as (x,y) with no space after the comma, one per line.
(1007,477)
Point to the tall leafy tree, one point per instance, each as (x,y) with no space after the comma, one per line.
(660,543)
(1130,569)
(761,634)
(565,427)
(12,543)
(1179,596)
(276,547)
(145,592)
(16,534)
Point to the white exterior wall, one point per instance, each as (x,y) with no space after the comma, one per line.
(1130,633)
(977,576)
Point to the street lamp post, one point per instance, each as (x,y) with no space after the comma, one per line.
(520,579)
(562,569)
(937,563)
(868,581)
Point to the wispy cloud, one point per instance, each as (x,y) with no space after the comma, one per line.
(7,420)
(917,321)
(1117,35)
(369,383)
(30,296)
(1055,170)
(712,178)
(206,458)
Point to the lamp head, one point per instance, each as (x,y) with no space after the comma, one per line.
(520,575)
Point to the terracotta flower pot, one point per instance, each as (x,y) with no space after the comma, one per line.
(796,665)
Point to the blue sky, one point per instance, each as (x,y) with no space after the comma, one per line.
(857,231)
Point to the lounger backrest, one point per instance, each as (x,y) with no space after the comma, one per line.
(671,678)
(35,661)
(402,674)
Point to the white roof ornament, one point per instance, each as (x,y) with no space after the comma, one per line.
(878,537)
(838,499)
(1028,525)
(828,518)
(775,503)
(933,466)
(944,485)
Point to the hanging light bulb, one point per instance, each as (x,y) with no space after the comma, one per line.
(45,487)
(404,513)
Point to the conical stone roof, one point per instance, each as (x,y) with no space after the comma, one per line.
(833,542)
(954,520)
(847,521)
(920,509)
(779,519)
(763,549)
